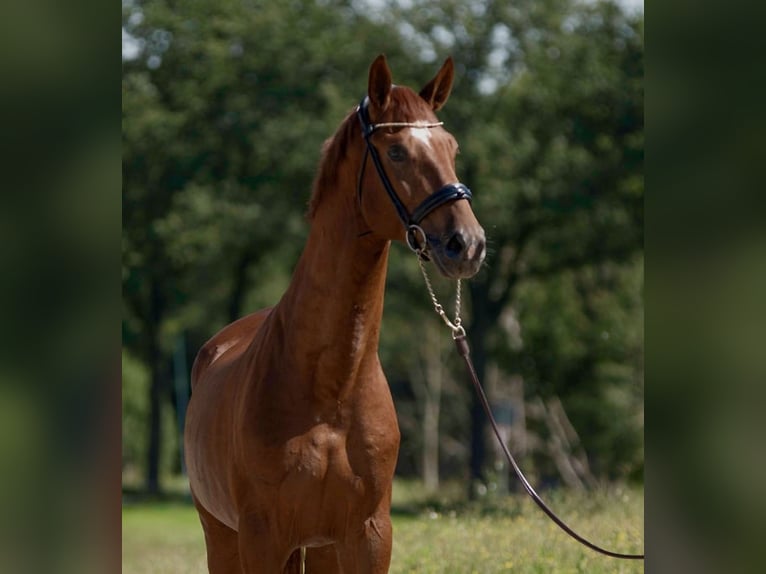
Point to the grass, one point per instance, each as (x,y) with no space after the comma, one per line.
(441,534)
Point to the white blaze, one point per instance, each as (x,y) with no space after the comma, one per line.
(423,134)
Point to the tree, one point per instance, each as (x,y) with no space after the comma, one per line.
(550,119)
(224,109)
(223,116)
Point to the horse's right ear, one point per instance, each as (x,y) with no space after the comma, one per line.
(379,85)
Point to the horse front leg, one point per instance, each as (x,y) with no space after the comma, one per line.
(221,543)
(322,559)
(261,549)
(368,551)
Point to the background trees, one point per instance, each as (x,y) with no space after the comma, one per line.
(225,106)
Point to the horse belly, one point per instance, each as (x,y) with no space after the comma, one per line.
(207,450)
(208,441)
(208,436)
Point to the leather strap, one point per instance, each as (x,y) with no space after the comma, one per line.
(461,343)
(450,192)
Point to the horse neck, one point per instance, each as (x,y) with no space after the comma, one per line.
(330,315)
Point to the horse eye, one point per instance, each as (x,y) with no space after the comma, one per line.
(397,153)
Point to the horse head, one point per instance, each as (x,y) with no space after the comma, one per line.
(413,193)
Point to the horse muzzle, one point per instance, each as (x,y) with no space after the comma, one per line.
(459,253)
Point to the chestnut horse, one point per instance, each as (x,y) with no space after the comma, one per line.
(291,434)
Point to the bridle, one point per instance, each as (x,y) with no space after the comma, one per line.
(446,194)
(411,221)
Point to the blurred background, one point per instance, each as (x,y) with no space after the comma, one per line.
(61,301)
(225,106)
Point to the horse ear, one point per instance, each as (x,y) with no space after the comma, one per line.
(379,86)
(437,90)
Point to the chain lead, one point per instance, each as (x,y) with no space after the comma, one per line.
(455,326)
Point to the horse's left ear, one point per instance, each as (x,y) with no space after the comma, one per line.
(437,90)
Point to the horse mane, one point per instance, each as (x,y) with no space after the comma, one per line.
(409,107)
(334,150)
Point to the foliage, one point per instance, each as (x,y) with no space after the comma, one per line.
(582,340)
(223,116)
(225,107)
(550,123)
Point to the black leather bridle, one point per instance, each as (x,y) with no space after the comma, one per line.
(448,193)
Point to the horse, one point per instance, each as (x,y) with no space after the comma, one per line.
(291,435)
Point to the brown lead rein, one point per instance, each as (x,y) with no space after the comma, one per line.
(458,334)
(464,351)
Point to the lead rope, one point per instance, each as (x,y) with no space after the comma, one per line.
(461,342)
(455,326)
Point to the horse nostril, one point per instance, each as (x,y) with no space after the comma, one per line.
(480,248)
(455,245)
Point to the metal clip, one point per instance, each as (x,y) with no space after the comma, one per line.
(412,240)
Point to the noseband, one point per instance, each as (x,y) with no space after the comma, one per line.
(411,222)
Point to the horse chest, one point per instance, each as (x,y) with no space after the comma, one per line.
(316,453)
(328,464)
(331,459)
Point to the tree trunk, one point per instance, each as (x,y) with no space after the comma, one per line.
(239,287)
(576,457)
(477,339)
(432,407)
(156,386)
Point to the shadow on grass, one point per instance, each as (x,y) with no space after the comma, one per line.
(412,509)
(412,500)
(135,496)
(174,490)
(482,508)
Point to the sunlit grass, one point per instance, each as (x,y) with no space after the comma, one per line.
(433,534)
(162,538)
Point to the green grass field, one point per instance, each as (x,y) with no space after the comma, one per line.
(432,534)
